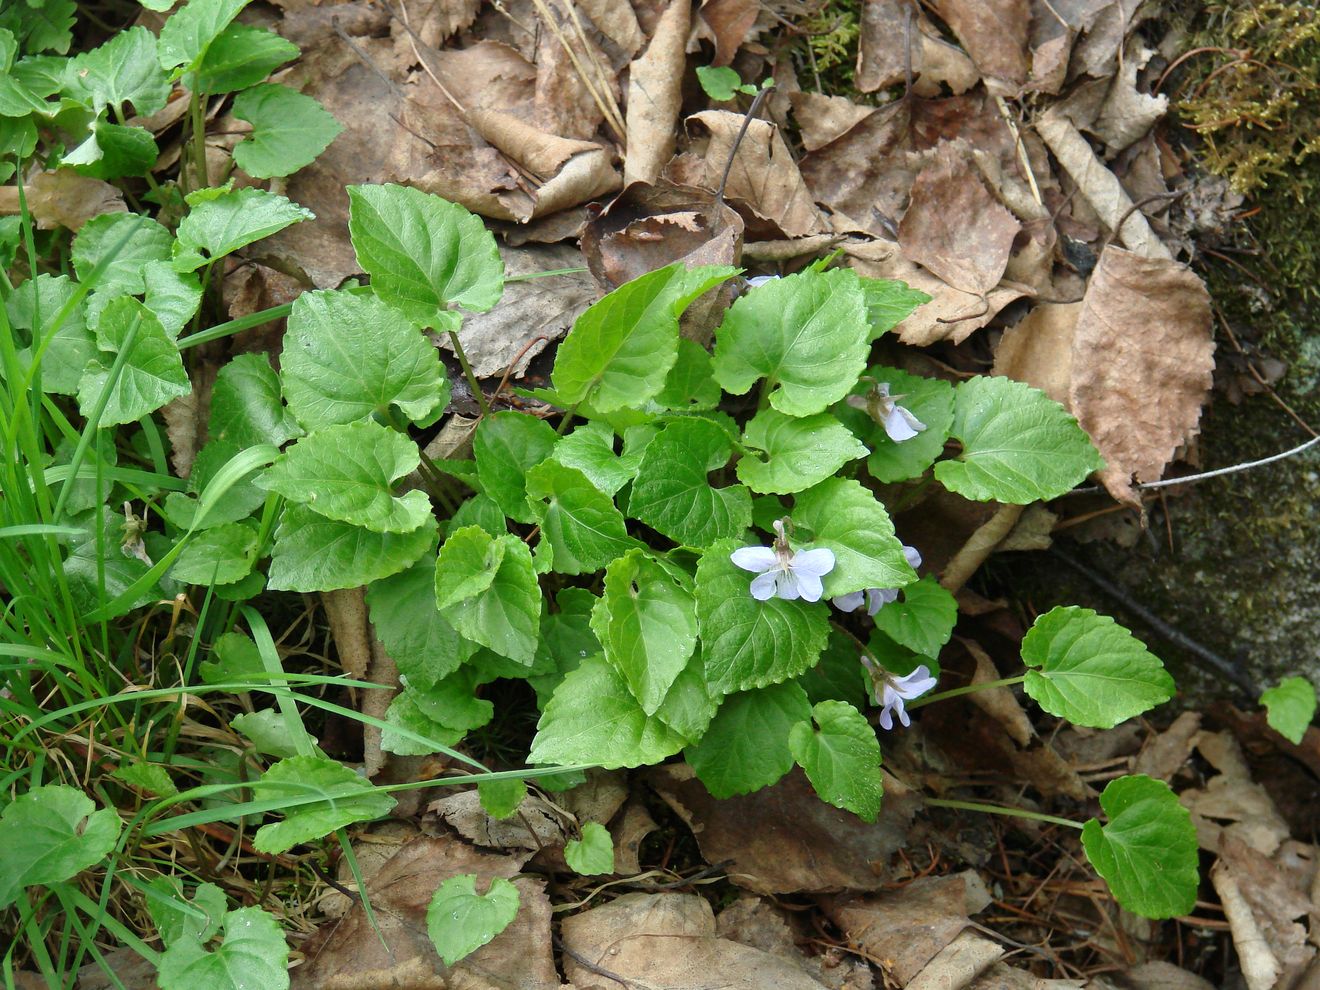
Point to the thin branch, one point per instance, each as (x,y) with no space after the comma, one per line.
(757,100)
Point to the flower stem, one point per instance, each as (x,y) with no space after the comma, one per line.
(567,418)
(999,809)
(197,108)
(968,689)
(477,394)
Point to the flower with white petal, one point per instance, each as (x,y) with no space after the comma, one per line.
(891,692)
(784,572)
(882,407)
(756,280)
(875,598)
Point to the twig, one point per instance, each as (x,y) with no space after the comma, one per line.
(590,966)
(1234,469)
(514,363)
(1166,631)
(757,100)
(1269,389)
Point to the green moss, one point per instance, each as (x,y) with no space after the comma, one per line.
(1250,89)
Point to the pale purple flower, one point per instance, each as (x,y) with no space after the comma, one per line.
(788,573)
(875,598)
(899,424)
(756,280)
(891,691)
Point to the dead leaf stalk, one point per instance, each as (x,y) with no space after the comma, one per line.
(748,117)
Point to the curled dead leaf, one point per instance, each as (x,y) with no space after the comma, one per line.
(654,96)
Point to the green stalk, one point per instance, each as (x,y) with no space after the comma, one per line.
(968,689)
(197,112)
(468,374)
(1000,809)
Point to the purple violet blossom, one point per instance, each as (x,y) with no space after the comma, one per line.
(890,692)
(789,574)
(875,598)
(899,424)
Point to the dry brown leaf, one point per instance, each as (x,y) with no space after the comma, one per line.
(576,86)
(617,21)
(1128,114)
(667,940)
(979,546)
(1105,25)
(1051,44)
(598,798)
(999,703)
(882,53)
(783,838)
(1143,353)
(372,849)
(186,418)
(463,813)
(655,96)
(1261,905)
(530,316)
(822,119)
(1232,797)
(63,198)
(757,923)
(906,928)
(434,23)
(958,963)
(1038,349)
(995,34)
(954,226)
(1049,773)
(1160,975)
(635,826)
(727,23)
(951,313)
(1098,185)
(1165,754)
(349,955)
(764,175)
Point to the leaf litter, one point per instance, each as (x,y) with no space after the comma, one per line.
(540,116)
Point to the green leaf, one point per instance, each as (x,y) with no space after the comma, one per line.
(172,296)
(452,701)
(345,471)
(152,375)
(42,26)
(241,56)
(460,921)
(403,714)
(889,303)
(189,31)
(423,252)
(234,658)
(841,757)
(149,777)
(647,625)
(178,919)
(501,798)
(593,718)
(566,639)
(18,139)
(1147,852)
(673,494)
(219,555)
(579,522)
(922,619)
(746,643)
(147,241)
(49,835)
(346,798)
(746,747)
(1093,672)
(486,588)
(313,553)
(844,516)
(346,356)
(839,676)
(798,453)
(32,307)
(593,854)
(620,350)
(506,445)
(1289,708)
(288,130)
(928,399)
(720,82)
(806,334)
(253,954)
(220,225)
(690,385)
(1019,445)
(417,637)
(123,70)
(113,151)
(590,449)
(482,511)
(270,733)
(246,405)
